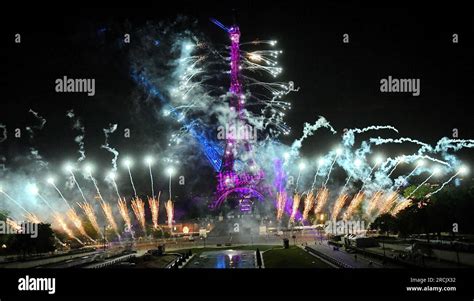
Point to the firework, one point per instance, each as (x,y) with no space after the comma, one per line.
(341,200)
(89,212)
(300,169)
(127,162)
(65,228)
(315,176)
(354,204)
(389,202)
(375,202)
(154,208)
(45,201)
(103,204)
(149,161)
(296,204)
(170,213)
(308,204)
(60,194)
(110,217)
(423,183)
(69,168)
(13,225)
(338,153)
(32,218)
(321,199)
(281,203)
(71,213)
(462,170)
(16,202)
(400,206)
(123,209)
(138,207)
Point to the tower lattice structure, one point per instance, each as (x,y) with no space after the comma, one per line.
(239,175)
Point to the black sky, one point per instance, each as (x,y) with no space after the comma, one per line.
(338,81)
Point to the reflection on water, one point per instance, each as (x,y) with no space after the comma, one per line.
(225,259)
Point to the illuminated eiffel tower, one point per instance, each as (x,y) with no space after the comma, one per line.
(239,176)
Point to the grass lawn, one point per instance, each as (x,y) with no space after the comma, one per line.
(293,257)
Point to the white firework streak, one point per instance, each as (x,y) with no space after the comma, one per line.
(309,130)
(422,183)
(444,184)
(112,128)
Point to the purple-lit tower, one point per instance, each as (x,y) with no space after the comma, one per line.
(239,175)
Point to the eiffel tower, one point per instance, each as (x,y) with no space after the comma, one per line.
(239,176)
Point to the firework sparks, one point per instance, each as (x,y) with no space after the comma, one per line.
(390,200)
(354,204)
(138,207)
(65,227)
(321,199)
(308,204)
(281,203)
(110,217)
(341,200)
(123,209)
(32,218)
(400,206)
(14,225)
(127,162)
(103,204)
(89,212)
(71,213)
(170,213)
(375,202)
(296,204)
(155,209)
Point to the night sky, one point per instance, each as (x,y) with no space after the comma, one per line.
(338,81)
